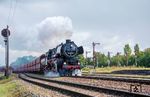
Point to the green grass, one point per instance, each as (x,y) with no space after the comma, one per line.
(108,70)
(111,69)
(6,88)
(1,74)
(6,85)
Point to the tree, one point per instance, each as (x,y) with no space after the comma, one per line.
(127,52)
(131,60)
(141,59)
(82,60)
(118,59)
(101,59)
(136,52)
(146,58)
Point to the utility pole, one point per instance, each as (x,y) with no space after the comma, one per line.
(109,58)
(118,62)
(86,53)
(6,33)
(136,60)
(94,55)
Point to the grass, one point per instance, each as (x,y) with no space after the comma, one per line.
(111,69)
(6,85)
(108,70)
(1,74)
(4,80)
(5,89)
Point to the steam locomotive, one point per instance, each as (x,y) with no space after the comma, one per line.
(60,61)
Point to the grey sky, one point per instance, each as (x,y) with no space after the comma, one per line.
(113,23)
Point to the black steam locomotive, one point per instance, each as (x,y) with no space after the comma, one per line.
(60,61)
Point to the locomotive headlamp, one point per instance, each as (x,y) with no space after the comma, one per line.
(64,63)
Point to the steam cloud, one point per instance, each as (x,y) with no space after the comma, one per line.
(54,30)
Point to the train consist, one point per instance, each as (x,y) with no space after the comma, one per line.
(2,69)
(60,61)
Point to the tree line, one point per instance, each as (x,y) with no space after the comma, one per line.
(129,58)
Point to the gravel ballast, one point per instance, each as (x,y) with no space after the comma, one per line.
(105,83)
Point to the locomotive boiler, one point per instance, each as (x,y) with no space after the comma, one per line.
(60,61)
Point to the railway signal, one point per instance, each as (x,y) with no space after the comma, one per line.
(6,33)
(94,55)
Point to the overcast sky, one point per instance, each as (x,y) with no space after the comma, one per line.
(38,25)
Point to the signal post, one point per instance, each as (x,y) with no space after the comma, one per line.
(6,33)
(94,55)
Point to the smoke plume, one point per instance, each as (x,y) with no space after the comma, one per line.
(54,30)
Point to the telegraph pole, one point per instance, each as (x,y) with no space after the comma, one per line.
(135,60)
(94,55)
(109,58)
(6,33)
(118,62)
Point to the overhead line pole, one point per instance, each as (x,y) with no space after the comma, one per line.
(118,62)
(94,55)
(109,58)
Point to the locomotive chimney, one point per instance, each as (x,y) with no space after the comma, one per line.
(68,40)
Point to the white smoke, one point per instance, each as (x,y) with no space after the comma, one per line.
(54,30)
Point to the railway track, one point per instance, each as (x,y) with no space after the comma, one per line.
(53,86)
(82,90)
(118,75)
(132,85)
(122,79)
